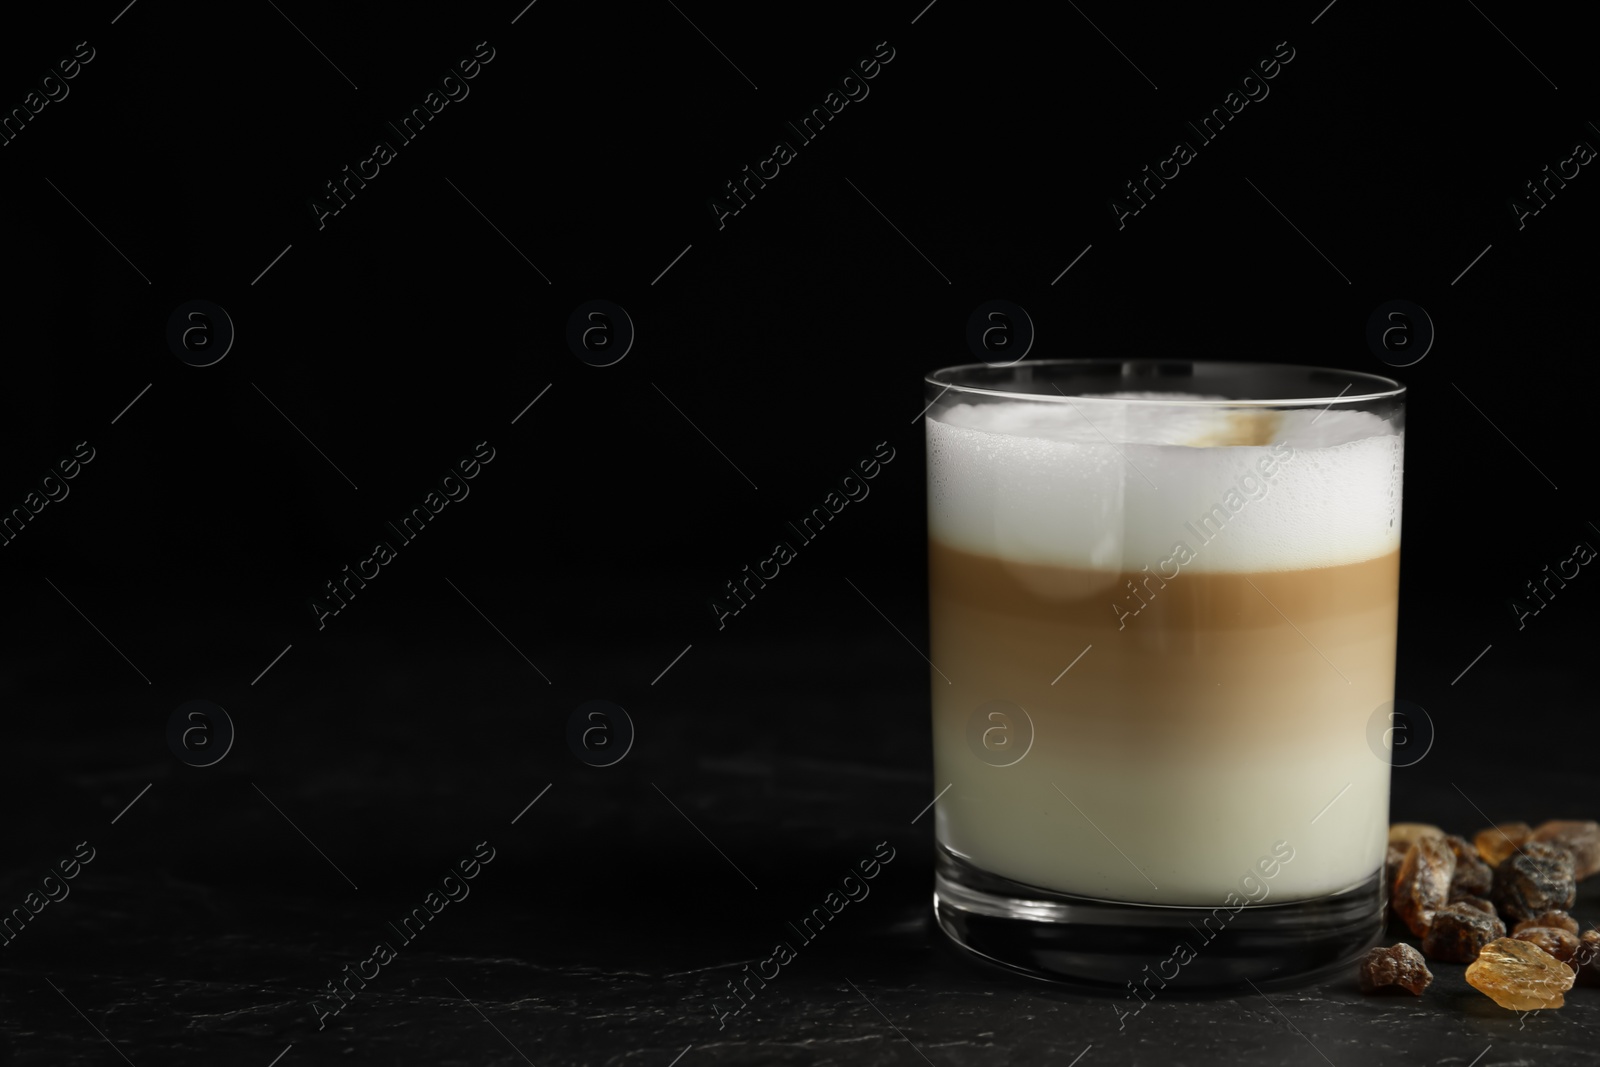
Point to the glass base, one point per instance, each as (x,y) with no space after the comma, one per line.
(1110,944)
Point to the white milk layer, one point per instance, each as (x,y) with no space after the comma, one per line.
(1108,485)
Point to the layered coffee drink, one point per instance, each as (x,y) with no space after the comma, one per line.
(1161,631)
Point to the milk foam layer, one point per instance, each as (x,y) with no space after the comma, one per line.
(1118,485)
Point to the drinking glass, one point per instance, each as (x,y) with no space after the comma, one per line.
(1163,597)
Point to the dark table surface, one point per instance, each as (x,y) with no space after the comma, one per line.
(619,905)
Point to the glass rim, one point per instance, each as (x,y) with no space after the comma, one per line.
(1381,388)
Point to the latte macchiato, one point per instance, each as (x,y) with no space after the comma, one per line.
(1186,616)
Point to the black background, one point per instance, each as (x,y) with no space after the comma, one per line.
(791,340)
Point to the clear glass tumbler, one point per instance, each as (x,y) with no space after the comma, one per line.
(1163,599)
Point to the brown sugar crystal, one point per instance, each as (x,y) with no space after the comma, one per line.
(1579,837)
(1458,933)
(1476,902)
(1473,877)
(1398,967)
(1589,946)
(1535,879)
(1498,842)
(1423,885)
(1393,857)
(1587,962)
(1559,919)
(1405,834)
(1562,944)
(1519,975)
